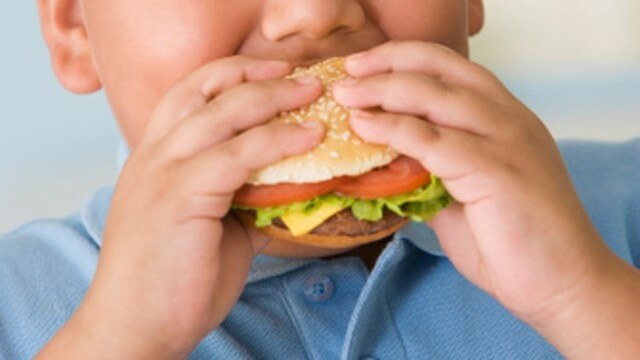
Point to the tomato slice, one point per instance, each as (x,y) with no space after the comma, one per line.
(400,176)
(282,194)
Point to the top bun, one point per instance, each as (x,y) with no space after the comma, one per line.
(341,152)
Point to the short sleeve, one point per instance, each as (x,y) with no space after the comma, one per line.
(607,179)
(45,269)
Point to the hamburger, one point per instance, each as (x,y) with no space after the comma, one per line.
(343,193)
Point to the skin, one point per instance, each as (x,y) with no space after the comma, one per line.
(179,79)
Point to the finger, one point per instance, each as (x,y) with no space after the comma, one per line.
(196,89)
(418,94)
(433,59)
(235,256)
(217,173)
(238,109)
(455,156)
(458,241)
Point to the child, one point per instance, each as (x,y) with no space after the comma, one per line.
(518,270)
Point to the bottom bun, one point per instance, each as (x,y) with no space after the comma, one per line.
(325,240)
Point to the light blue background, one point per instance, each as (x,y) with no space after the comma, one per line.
(56,147)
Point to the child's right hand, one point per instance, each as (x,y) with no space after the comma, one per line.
(173,262)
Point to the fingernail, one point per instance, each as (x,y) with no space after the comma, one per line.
(307,80)
(346,82)
(360,121)
(352,59)
(360,124)
(360,114)
(312,125)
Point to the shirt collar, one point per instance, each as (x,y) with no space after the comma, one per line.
(94,214)
(422,237)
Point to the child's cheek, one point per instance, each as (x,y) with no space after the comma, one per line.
(443,22)
(139,58)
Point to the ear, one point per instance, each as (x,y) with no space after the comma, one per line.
(476,16)
(64,32)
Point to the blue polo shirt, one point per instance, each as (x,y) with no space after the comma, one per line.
(413,304)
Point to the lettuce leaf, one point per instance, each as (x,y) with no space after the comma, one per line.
(418,205)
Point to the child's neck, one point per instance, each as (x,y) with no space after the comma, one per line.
(368,253)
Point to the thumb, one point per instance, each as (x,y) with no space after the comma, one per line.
(237,251)
(458,242)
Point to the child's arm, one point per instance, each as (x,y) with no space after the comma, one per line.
(518,229)
(173,263)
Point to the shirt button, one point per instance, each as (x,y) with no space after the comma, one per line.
(318,288)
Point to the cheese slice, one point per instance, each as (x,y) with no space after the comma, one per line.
(300,223)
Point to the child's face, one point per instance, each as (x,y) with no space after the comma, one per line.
(141,48)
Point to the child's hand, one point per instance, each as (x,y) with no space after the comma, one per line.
(518,229)
(173,262)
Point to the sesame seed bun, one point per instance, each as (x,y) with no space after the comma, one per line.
(341,153)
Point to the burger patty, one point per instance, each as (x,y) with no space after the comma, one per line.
(344,223)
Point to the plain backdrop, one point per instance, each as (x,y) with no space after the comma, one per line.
(576,64)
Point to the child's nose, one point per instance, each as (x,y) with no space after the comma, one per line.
(310,18)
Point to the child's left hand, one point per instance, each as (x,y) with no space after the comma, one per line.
(518,230)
